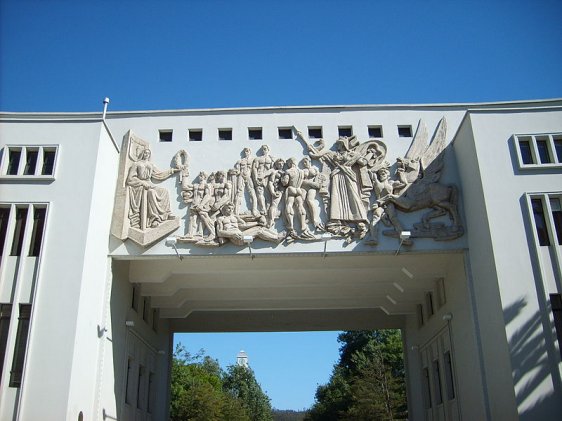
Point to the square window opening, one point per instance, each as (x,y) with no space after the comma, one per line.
(225,134)
(375,131)
(255,133)
(315,132)
(165,135)
(195,135)
(285,133)
(345,131)
(404,131)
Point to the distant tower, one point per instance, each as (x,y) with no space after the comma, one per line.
(242,359)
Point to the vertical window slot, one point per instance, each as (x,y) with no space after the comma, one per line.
(48,162)
(19,231)
(4,218)
(21,345)
(5,315)
(540,222)
(37,232)
(30,161)
(14,156)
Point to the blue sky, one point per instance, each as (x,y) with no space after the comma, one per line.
(68,55)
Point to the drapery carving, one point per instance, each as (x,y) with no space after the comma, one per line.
(345,191)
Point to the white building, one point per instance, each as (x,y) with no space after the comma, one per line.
(92,286)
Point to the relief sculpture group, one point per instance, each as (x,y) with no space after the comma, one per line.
(344,191)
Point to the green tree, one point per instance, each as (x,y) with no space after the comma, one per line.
(241,383)
(368,382)
(197,392)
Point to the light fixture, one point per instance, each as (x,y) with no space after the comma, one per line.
(171,242)
(407,273)
(325,238)
(404,236)
(447,317)
(129,323)
(248,239)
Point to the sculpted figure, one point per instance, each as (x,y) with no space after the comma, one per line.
(384,187)
(419,171)
(149,205)
(243,171)
(222,191)
(346,205)
(275,188)
(231,227)
(261,168)
(294,198)
(311,184)
(200,195)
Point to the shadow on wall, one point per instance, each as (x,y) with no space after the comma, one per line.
(534,359)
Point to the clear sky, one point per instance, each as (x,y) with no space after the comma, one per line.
(69,55)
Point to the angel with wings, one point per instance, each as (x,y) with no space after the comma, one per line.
(419,173)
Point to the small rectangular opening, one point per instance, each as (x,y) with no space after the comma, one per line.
(525,149)
(315,132)
(558,148)
(37,232)
(4,218)
(544,153)
(449,380)
(21,345)
(285,133)
(17,242)
(437,383)
(375,131)
(30,161)
(345,131)
(48,161)
(165,135)
(225,134)
(404,131)
(255,133)
(14,156)
(540,221)
(556,209)
(195,135)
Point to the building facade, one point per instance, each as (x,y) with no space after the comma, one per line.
(118,230)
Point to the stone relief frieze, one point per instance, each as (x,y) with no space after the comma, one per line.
(345,191)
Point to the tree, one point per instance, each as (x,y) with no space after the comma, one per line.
(368,382)
(197,392)
(241,383)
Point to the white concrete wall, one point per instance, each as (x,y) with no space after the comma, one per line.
(536,368)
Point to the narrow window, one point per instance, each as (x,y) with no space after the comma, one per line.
(557,217)
(255,133)
(135,298)
(427,388)
(128,380)
(558,149)
(5,315)
(195,135)
(21,345)
(375,131)
(429,303)
(525,149)
(48,162)
(315,132)
(17,242)
(14,156)
(404,131)
(30,161)
(345,131)
(37,232)
(165,135)
(225,134)
(4,218)
(544,154)
(150,405)
(449,376)
(140,388)
(146,309)
(437,383)
(556,305)
(540,222)
(285,133)
(155,318)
